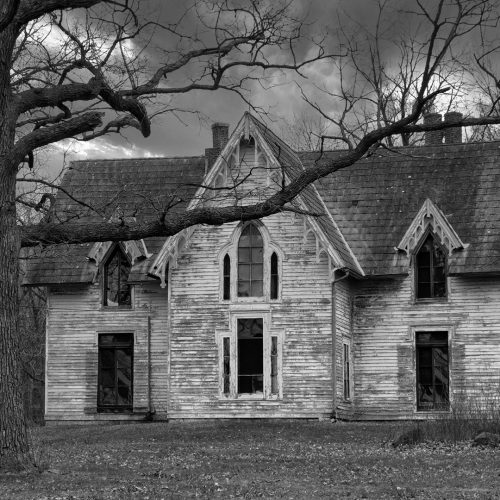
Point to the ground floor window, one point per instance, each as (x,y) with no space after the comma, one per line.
(250,360)
(250,356)
(115,372)
(347,372)
(433,380)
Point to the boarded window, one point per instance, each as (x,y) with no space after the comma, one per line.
(226,294)
(430,270)
(274,276)
(347,372)
(250,356)
(432,371)
(115,372)
(250,262)
(117,291)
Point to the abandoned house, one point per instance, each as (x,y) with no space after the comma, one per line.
(375,295)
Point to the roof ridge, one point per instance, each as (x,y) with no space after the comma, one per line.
(414,146)
(139,158)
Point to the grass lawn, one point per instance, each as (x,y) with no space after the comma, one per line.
(248,459)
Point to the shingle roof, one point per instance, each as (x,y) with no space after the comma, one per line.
(372,204)
(292,165)
(375,200)
(129,187)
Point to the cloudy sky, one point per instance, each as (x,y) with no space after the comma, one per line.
(186,134)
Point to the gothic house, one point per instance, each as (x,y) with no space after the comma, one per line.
(375,295)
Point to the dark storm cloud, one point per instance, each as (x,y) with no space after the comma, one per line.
(184,134)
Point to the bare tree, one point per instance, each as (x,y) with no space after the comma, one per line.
(103,77)
(86,68)
(407,48)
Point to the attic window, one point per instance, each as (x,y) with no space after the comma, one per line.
(430,270)
(116,290)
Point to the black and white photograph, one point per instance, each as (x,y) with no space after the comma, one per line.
(249,249)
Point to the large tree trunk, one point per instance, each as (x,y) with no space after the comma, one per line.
(14,446)
(13,433)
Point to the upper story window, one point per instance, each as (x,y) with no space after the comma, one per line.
(250,263)
(430,270)
(116,269)
(250,266)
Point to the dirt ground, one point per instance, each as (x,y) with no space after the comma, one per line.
(248,459)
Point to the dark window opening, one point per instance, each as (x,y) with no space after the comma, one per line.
(117,291)
(226,365)
(347,373)
(430,270)
(250,262)
(274,365)
(250,356)
(432,371)
(274,276)
(115,372)
(226,295)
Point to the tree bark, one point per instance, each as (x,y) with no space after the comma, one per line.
(14,446)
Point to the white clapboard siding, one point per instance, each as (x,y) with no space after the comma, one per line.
(385,319)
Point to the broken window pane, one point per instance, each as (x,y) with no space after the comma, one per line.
(430,270)
(115,372)
(432,370)
(250,356)
(117,291)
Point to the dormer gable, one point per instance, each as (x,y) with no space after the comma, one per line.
(430,219)
(134,250)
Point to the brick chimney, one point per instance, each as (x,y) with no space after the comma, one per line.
(220,135)
(453,135)
(433,137)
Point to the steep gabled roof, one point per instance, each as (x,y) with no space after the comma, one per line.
(375,201)
(292,166)
(368,206)
(132,187)
(285,160)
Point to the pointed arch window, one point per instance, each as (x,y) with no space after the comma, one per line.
(274,276)
(250,263)
(116,270)
(430,270)
(226,294)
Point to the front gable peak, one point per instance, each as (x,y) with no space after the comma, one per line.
(430,217)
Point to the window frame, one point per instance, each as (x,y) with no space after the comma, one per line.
(231,249)
(104,278)
(131,345)
(432,297)
(429,328)
(232,335)
(346,369)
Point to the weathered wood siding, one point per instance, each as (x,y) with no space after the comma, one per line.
(75,319)
(343,335)
(302,316)
(385,320)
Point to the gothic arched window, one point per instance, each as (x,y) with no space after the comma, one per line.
(430,270)
(250,262)
(117,291)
